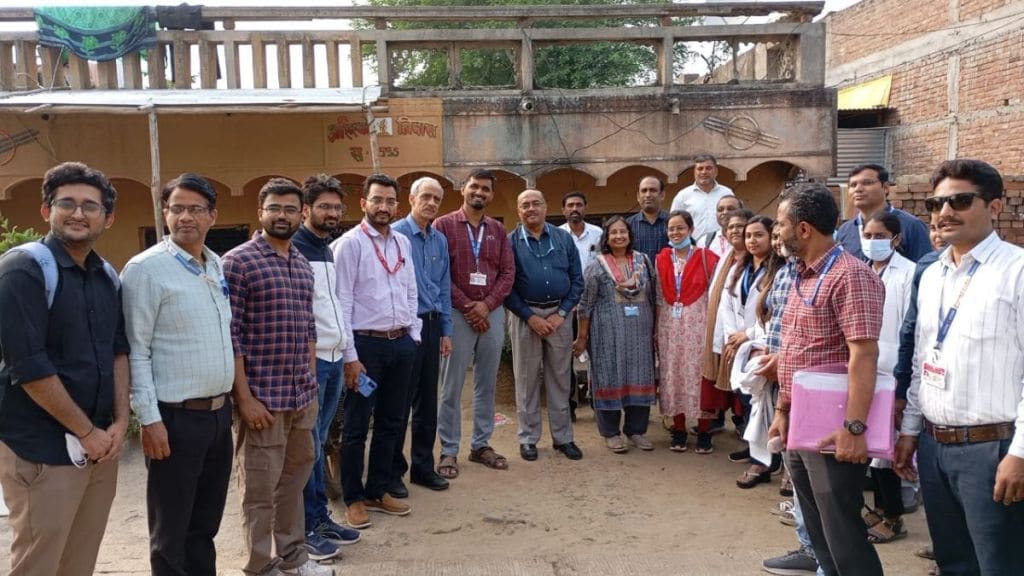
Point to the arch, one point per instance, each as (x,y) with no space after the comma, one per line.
(33,182)
(560,181)
(764,183)
(252,187)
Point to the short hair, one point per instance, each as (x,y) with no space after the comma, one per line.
(731,197)
(279,187)
(78,173)
(574,194)
(686,216)
(481,174)
(813,203)
(604,236)
(744,213)
(414,190)
(704,158)
(981,174)
(883,174)
(887,219)
(319,184)
(380,180)
(661,183)
(192,182)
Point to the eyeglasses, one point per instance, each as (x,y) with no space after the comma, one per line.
(194,210)
(68,206)
(391,202)
(960,201)
(274,210)
(325,207)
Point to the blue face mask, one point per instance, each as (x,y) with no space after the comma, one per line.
(682,244)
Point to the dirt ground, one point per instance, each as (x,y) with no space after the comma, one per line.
(638,513)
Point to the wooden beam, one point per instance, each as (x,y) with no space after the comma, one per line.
(454,66)
(384,66)
(132,65)
(156,67)
(232,72)
(106,75)
(78,73)
(207,64)
(525,58)
(26,69)
(154,182)
(7,66)
(51,73)
(284,65)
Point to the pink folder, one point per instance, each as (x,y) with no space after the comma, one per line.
(819,407)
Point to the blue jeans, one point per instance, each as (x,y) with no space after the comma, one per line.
(971,534)
(329,389)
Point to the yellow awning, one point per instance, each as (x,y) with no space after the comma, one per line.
(867,95)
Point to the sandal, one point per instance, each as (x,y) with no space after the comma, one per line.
(872,517)
(886,531)
(488,457)
(787,488)
(448,468)
(750,479)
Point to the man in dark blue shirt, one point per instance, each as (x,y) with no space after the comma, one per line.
(869,192)
(63,382)
(548,285)
(650,234)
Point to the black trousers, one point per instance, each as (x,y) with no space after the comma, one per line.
(888,492)
(422,403)
(185,493)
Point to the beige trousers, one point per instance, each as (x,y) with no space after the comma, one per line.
(58,514)
(542,362)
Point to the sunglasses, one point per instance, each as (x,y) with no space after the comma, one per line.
(959,202)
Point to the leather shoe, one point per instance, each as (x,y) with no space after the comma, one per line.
(528,451)
(570,449)
(431,480)
(397,489)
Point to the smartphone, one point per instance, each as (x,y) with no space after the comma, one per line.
(366,385)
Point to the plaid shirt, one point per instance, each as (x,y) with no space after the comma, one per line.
(776,303)
(649,238)
(272,322)
(847,307)
(496,261)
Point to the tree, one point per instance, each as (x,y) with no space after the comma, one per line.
(593,65)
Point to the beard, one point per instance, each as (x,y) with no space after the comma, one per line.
(280,233)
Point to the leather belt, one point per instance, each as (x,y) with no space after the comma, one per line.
(435,315)
(969,434)
(199,404)
(386,334)
(546,304)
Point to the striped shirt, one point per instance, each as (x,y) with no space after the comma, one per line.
(647,237)
(179,328)
(819,319)
(983,353)
(272,322)
(776,303)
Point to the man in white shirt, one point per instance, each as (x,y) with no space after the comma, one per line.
(718,240)
(964,413)
(701,197)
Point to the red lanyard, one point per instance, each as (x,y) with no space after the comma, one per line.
(380,257)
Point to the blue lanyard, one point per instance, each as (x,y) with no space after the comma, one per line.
(682,270)
(951,314)
(551,242)
(821,277)
(223,284)
(475,243)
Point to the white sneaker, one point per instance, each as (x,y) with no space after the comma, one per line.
(641,442)
(310,568)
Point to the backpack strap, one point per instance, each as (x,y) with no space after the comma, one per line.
(44,258)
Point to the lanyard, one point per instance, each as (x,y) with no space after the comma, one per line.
(680,269)
(223,284)
(551,242)
(746,283)
(947,321)
(475,243)
(380,257)
(817,286)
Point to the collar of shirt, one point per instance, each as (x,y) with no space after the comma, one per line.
(805,270)
(63,259)
(415,227)
(267,250)
(588,228)
(208,254)
(981,253)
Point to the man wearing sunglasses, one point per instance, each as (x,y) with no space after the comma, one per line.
(869,193)
(964,414)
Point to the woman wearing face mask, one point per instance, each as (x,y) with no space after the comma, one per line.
(684,273)
(879,238)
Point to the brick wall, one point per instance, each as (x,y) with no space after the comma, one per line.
(873,25)
(910,197)
(974,8)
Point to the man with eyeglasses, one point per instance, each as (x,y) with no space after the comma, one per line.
(965,415)
(178,320)
(548,285)
(375,269)
(273,333)
(869,192)
(63,381)
(323,208)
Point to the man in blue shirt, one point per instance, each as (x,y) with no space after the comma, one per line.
(869,192)
(548,285)
(434,291)
(650,234)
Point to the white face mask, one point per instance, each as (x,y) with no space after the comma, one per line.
(877,250)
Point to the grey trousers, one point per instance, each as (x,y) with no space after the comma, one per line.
(542,361)
(483,352)
(831,497)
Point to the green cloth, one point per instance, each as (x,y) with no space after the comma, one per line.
(97,33)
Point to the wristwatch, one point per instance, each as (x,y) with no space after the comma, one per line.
(562,313)
(855,427)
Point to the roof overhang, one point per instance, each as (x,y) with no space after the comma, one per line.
(870,95)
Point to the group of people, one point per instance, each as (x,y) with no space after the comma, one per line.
(704,309)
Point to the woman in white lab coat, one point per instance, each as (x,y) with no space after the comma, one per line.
(880,236)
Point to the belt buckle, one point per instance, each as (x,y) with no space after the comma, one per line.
(394,334)
(217,403)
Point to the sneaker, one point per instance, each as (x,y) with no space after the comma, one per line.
(704,443)
(716,427)
(388,505)
(320,548)
(356,516)
(310,568)
(337,533)
(678,441)
(788,518)
(795,562)
(740,455)
(641,442)
(617,444)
